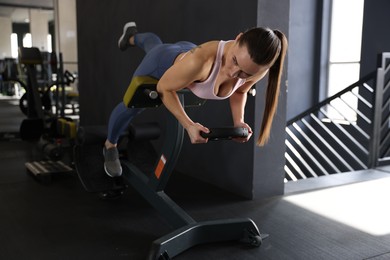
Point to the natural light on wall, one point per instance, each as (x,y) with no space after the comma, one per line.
(49,46)
(14,45)
(27,41)
(345,48)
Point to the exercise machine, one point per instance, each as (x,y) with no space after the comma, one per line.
(46,76)
(47,129)
(187,232)
(33,126)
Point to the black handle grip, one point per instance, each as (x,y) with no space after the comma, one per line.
(225,133)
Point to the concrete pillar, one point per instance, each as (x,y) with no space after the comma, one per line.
(269,161)
(66,32)
(5,39)
(39,28)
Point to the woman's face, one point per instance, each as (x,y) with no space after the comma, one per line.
(240,65)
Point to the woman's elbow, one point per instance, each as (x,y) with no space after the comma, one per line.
(160,90)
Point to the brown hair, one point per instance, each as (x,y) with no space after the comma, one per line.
(267,47)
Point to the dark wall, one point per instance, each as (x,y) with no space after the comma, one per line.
(376,36)
(105,72)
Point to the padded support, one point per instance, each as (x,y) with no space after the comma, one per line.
(142,93)
(146,131)
(66,127)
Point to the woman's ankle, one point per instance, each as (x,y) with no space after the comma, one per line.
(109,145)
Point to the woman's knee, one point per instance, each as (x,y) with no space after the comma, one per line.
(147,41)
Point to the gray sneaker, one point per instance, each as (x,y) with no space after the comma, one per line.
(112,164)
(129,30)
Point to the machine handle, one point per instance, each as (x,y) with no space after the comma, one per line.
(225,133)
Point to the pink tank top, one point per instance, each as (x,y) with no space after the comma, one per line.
(205,89)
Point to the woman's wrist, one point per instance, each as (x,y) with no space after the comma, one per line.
(238,122)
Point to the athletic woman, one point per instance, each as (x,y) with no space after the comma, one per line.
(213,70)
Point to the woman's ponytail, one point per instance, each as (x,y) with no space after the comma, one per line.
(273,90)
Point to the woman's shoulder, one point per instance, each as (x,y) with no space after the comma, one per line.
(210,46)
(206,51)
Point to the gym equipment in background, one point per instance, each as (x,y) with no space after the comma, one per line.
(53,133)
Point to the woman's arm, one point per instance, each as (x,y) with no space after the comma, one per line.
(237,106)
(179,76)
(238,101)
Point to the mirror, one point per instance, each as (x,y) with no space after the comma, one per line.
(22,24)
(49,25)
(26,27)
(36,23)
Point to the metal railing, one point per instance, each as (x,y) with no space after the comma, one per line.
(346,132)
(381,131)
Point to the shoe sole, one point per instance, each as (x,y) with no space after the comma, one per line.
(129,24)
(105,169)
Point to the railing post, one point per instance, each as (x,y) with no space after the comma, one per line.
(374,145)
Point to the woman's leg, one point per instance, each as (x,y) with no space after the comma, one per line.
(119,120)
(146,41)
(130,37)
(121,115)
(159,57)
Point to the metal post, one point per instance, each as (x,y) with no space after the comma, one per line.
(374,145)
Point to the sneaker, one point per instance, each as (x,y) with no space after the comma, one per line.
(129,30)
(112,164)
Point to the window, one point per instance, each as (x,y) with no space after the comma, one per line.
(344,56)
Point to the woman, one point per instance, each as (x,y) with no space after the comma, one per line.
(213,70)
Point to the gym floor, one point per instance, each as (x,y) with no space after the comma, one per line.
(344,216)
